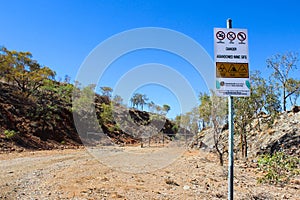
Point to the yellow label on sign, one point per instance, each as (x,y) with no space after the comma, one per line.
(232,70)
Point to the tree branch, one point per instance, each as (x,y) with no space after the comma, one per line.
(292,92)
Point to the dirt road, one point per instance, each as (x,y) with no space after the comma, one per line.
(76,174)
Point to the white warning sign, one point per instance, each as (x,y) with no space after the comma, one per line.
(232,62)
(231,45)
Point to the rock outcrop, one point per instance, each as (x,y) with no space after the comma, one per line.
(263,136)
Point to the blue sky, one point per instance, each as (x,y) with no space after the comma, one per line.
(61,33)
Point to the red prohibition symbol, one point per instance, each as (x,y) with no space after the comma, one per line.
(231,36)
(220,35)
(241,36)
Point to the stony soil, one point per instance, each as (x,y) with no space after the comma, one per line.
(76,174)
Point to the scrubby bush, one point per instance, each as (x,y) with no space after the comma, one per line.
(278,168)
(9,134)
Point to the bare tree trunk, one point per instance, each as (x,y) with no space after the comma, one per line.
(141,142)
(284,99)
(221,160)
(243,146)
(245,154)
(217,139)
(241,143)
(185,138)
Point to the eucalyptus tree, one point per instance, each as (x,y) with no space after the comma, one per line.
(283,66)
(27,74)
(139,99)
(106,91)
(166,108)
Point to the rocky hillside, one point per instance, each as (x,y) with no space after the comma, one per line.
(45,120)
(264,137)
(32,123)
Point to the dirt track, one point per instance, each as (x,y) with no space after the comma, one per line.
(75,174)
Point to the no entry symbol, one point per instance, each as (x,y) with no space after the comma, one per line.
(220,36)
(241,37)
(231,36)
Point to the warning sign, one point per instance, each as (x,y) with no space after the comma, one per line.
(231,58)
(231,45)
(244,68)
(232,70)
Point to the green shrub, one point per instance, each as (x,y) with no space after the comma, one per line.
(175,128)
(278,168)
(10,134)
(106,114)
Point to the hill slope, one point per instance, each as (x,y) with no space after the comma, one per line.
(45,121)
(262,137)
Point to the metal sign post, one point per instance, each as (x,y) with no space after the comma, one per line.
(230,137)
(231,73)
(232,77)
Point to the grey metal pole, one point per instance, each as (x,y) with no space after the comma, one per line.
(230,138)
